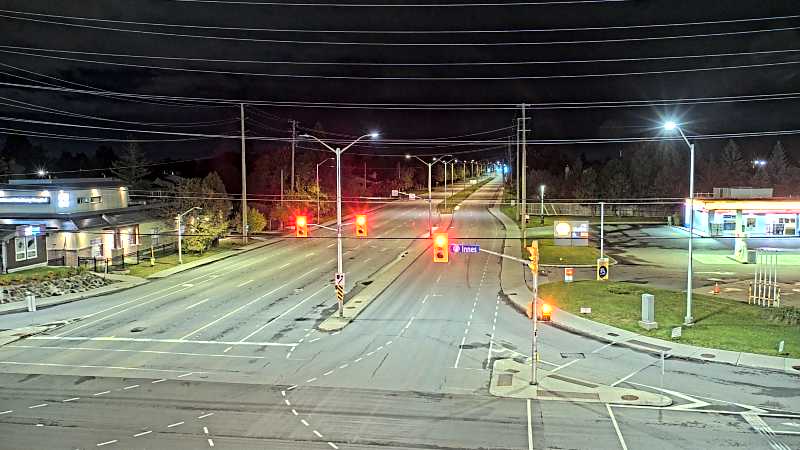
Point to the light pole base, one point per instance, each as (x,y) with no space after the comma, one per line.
(688,321)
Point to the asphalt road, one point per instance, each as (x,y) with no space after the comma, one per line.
(227,355)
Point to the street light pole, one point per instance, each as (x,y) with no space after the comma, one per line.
(541,205)
(669,126)
(338,151)
(178,220)
(430,199)
(323,162)
(244,177)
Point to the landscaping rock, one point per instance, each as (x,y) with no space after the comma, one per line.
(49,288)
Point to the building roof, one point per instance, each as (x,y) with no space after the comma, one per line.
(84,220)
(51,183)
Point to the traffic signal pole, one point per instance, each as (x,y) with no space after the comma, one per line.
(339,265)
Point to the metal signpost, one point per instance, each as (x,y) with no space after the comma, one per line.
(339,283)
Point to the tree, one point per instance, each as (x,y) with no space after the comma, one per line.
(732,163)
(256,221)
(131,167)
(211,222)
(777,164)
(587,186)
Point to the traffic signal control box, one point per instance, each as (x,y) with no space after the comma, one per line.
(441,250)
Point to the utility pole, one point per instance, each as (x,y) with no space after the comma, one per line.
(294,139)
(365,177)
(524,168)
(281,187)
(244,177)
(517,164)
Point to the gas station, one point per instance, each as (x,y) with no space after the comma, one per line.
(735,212)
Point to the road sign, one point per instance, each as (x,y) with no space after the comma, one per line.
(395,192)
(465,248)
(568,274)
(338,279)
(412,196)
(602,268)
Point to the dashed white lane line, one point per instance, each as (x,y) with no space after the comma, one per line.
(6,412)
(107,443)
(311,380)
(205,430)
(97,394)
(210,442)
(294,411)
(327,373)
(37,406)
(134,386)
(160,380)
(245,283)
(333,446)
(304,422)
(67,400)
(318,434)
(205,415)
(176,424)
(314,340)
(197,304)
(185,375)
(331,245)
(229,349)
(288,403)
(275,319)
(285,266)
(291,387)
(143,433)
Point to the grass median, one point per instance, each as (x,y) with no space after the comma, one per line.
(454,200)
(719,323)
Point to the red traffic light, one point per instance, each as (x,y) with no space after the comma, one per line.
(301,226)
(441,252)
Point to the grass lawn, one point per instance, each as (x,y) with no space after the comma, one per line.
(720,323)
(144,269)
(37,274)
(554,254)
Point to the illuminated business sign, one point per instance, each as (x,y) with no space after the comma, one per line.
(63,199)
(25,200)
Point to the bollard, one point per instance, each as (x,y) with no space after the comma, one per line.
(31,302)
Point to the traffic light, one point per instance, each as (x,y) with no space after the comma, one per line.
(361,225)
(301,226)
(546,310)
(441,251)
(534,256)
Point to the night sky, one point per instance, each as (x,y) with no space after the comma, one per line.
(559,81)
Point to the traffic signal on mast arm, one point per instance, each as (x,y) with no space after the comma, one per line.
(546,309)
(361,225)
(534,256)
(301,226)
(441,252)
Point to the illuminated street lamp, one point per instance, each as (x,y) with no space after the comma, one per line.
(670,126)
(338,152)
(541,207)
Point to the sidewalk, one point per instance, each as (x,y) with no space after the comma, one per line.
(123,282)
(515,288)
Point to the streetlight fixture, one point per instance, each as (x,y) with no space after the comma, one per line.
(178,220)
(321,163)
(759,163)
(669,126)
(541,207)
(338,152)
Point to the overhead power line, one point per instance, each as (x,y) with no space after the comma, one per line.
(403,64)
(225,102)
(395,78)
(401,5)
(410,31)
(398,44)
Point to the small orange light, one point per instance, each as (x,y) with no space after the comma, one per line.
(546,309)
(361,219)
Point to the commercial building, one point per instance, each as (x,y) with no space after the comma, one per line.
(754,212)
(83,217)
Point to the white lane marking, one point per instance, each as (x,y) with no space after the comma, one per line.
(333,446)
(6,412)
(314,340)
(275,319)
(318,434)
(259,298)
(331,245)
(245,283)
(291,387)
(134,386)
(616,427)
(288,403)
(196,304)
(143,433)
(229,349)
(460,348)
(530,427)
(294,411)
(205,430)
(210,442)
(165,341)
(285,266)
(311,380)
(187,285)
(344,366)
(107,443)
(388,343)
(283,393)
(327,373)
(185,375)
(304,422)
(37,406)
(39,424)
(67,400)
(158,381)
(175,424)
(205,415)
(101,393)
(565,365)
